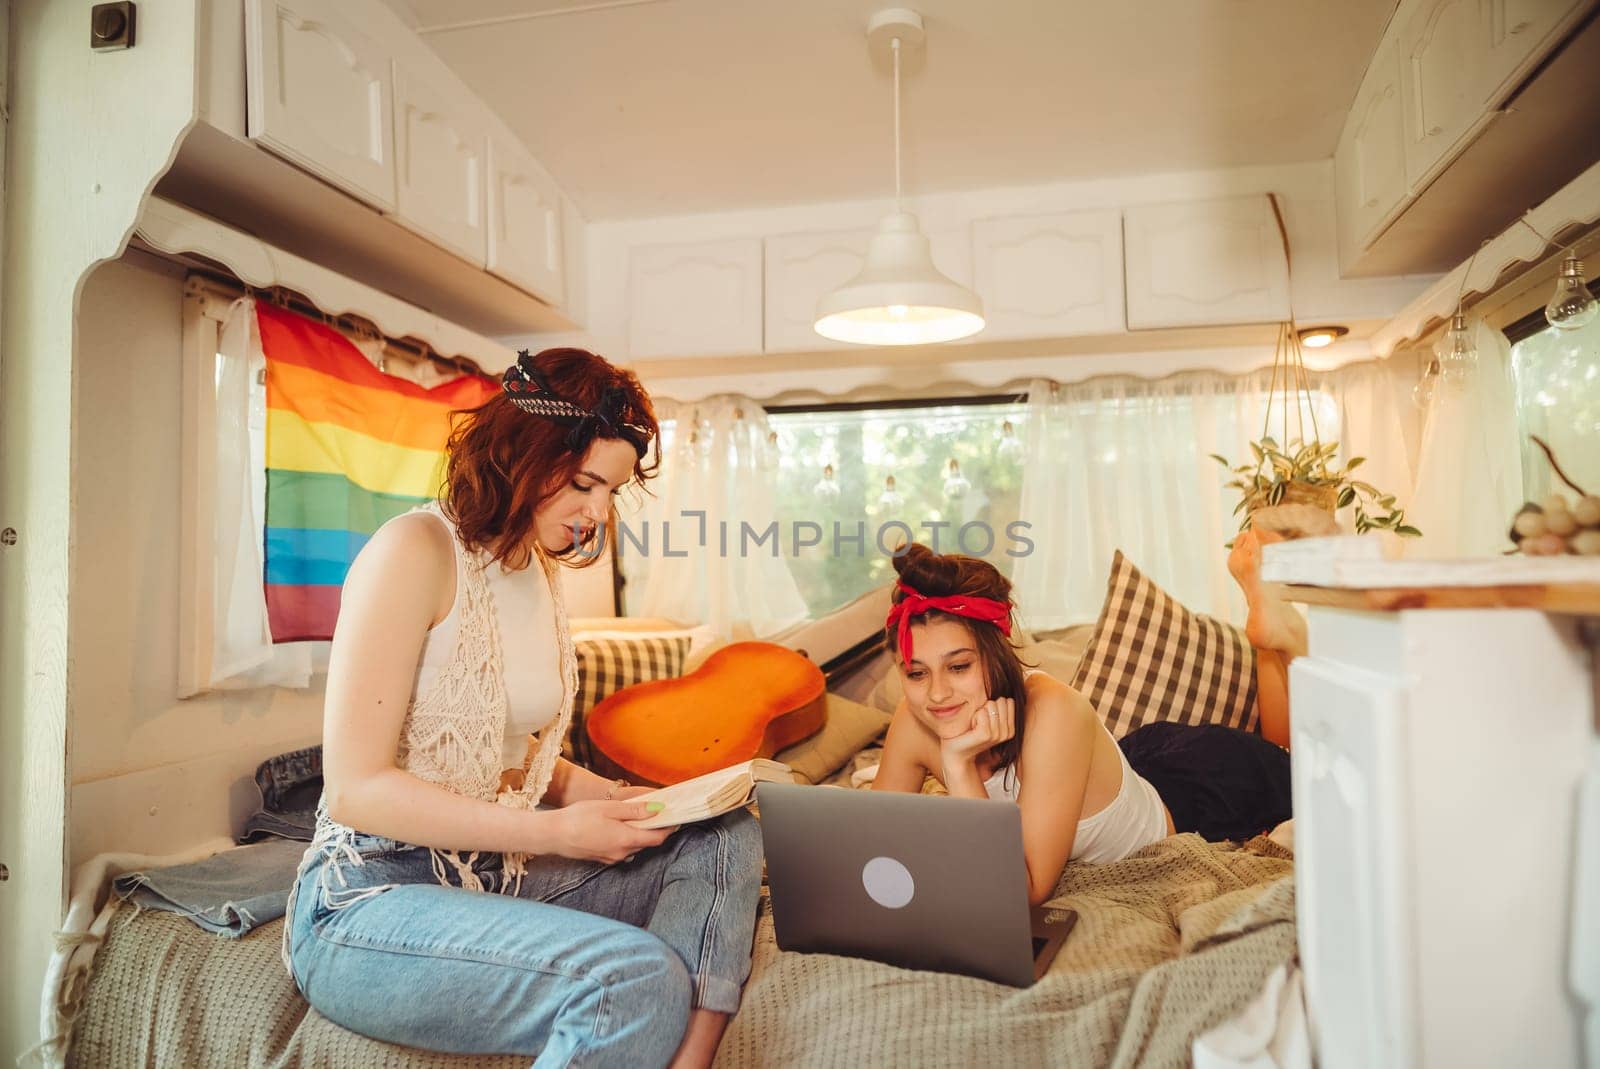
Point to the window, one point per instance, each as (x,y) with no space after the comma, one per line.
(1556,376)
(948,475)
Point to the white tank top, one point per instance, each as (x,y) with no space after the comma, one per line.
(1135,818)
(524,613)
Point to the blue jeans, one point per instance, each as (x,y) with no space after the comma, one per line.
(588,964)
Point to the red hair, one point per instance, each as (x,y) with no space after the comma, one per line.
(503,464)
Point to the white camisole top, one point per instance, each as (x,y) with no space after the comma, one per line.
(1135,818)
(524,612)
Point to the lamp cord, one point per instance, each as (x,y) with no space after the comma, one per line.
(895,47)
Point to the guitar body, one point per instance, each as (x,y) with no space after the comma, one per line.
(750,699)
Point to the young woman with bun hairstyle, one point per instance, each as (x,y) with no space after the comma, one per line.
(986,726)
(467,889)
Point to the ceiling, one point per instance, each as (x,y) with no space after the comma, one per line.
(666,107)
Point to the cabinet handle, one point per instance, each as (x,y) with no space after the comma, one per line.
(1523,25)
(1435,131)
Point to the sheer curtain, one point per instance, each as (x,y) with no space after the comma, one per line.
(717,460)
(1124,463)
(1469,471)
(242,652)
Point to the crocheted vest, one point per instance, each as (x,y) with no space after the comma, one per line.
(452,733)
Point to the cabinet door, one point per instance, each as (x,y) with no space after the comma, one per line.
(1050,275)
(320,94)
(441,157)
(525,223)
(1352,864)
(1519,34)
(800,268)
(700,299)
(1204,262)
(1369,165)
(1442,49)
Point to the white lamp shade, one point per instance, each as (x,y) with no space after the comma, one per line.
(899,298)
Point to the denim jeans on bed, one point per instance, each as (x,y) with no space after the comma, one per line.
(589,964)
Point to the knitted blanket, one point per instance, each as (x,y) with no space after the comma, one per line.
(1168,943)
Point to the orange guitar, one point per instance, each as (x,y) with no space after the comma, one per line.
(750,699)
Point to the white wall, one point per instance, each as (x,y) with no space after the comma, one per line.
(149,773)
(71,201)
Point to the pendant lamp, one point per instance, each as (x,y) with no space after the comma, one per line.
(899,298)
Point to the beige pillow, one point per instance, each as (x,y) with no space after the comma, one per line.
(849,729)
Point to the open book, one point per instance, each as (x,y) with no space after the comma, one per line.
(712,794)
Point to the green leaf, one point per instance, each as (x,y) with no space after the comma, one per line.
(1355,462)
(1219,459)
(1270,443)
(1406,530)
(1260,454)
(1275,495)
(1346,496)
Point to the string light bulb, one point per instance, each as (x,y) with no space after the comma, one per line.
(955,484)
(1572,306)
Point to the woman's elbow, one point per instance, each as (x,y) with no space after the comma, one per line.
(1041,891)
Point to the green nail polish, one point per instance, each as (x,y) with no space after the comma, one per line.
(656,807)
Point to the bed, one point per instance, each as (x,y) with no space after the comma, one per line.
(1171,942)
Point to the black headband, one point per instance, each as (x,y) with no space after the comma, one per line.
(528,389)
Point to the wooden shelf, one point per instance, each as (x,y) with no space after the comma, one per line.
(1576,599)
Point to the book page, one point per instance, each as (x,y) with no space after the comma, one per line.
(709,795)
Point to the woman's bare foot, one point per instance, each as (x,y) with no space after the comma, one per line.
(1270,623)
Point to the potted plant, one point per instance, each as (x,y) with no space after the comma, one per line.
(1302,474)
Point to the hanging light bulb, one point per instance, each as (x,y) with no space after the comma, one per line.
(1422,393)
(1459,356)
(1571,306)
(827,487)
(955,484)
(1010,447)
(891,498)
(900,297)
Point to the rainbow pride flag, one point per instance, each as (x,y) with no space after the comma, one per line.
(348,447)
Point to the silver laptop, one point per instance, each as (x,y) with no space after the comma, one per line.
(913,880)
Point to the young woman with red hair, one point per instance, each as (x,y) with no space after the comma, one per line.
(469,890)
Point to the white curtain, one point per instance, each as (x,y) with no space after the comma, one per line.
(716,459)
(242,652)
(1469,471)
(1124,463)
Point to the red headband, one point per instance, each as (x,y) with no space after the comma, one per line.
(914,604)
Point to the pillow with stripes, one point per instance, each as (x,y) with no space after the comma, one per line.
(606,665)
(1151,659)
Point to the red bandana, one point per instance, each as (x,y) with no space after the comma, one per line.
(914,604)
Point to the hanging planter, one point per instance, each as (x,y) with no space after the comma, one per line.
(1290,467)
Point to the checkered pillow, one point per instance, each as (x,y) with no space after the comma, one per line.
(606,665)
(1151,659)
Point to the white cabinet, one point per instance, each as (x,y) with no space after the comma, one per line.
(698,299)
(441,157)
(321,94)
(524,222)
(800,268)
(1518,33)
(1049,275)
(1204,262)
(344,90)
(1437,759)
(1369,164)
(1442,52)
